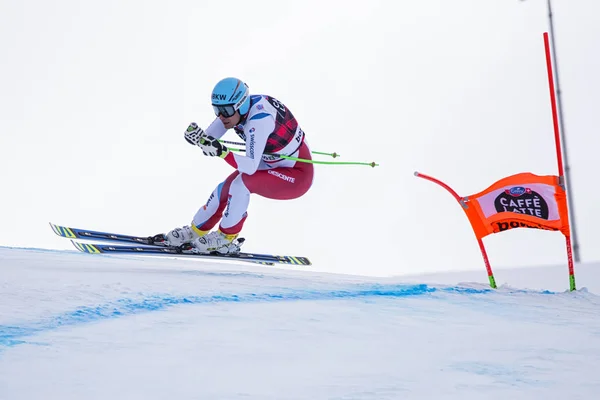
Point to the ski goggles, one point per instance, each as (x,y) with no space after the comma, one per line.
(226,110)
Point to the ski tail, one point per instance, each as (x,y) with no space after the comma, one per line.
(293,260)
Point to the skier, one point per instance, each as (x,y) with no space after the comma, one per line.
(270,131)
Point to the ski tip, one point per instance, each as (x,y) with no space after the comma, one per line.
(86,248)
(63,231)
(54,228)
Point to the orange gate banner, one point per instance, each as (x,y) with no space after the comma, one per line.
(523,200)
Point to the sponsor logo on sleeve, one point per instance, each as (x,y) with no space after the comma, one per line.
(251,146)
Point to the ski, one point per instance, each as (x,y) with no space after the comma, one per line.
(107,248)
(75,233)
(145,245)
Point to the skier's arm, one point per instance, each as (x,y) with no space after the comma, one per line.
(216,129)
(257,130)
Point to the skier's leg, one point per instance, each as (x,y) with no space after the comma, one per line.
(283,183)
(278,183)
(206,217)
(236,210)
(235,213)
(234,198)
(211,213)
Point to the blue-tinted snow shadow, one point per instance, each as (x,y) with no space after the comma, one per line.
(12,335)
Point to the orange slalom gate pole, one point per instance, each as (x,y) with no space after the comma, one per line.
(559,160)
(464,205)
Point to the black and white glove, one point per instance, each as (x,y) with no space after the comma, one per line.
(212,147)
(194,134)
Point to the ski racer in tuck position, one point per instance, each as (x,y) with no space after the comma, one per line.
(270,131)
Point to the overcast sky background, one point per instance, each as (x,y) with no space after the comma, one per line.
(95,97)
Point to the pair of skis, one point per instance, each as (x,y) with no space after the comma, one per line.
(140,245)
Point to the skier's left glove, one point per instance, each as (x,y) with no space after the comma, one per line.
(212,147)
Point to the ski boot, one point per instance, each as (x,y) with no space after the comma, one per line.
(217,242)
(175,238)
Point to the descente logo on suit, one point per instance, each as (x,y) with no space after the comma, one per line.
(282,176)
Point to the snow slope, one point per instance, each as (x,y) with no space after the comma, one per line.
(76,326)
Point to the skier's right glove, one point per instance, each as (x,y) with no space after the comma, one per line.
(212,147)
(194,134)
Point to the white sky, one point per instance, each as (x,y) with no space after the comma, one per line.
(95,96)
